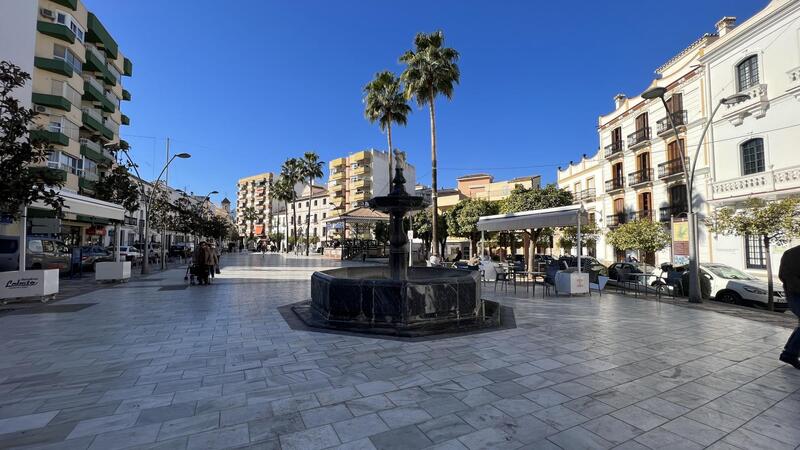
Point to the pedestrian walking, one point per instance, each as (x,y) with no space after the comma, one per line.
(214,266)
(199,259)
(789,274)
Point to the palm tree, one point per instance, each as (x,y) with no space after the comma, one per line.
(311,169)
(283,191)
(384,102)
(249,214)
(431,70)
(291,170)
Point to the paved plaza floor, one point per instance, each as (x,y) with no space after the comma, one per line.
(156,364)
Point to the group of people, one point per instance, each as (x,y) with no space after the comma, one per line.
(206,261)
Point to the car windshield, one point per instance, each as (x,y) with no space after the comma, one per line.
(645,268)
(729,273)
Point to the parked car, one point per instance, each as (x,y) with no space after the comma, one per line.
(588,263)
(128,253)
(632,267)
(731,285)
(154,252)
(41,253)
(93,254)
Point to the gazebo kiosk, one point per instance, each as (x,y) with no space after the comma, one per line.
(571,282)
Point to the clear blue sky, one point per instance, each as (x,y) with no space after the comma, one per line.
(242,85)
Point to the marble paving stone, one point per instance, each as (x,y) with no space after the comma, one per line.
(273,427)
(578,437)
(445,428)
(311,439)
(442,404)
(188,426)
(404,415)
(516,406)
(104,424)
(367,405)
(219,439)
(612,429)
(26,422)
(639,417)
(476,397)
(400,439)
(165,413)
(140,435)
(359,427)
(324,415)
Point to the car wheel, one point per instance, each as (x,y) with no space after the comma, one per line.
(729,297)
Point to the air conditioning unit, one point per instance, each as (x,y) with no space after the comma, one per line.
(40,109)
(47,13)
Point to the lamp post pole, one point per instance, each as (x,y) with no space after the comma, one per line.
(695,295)
(149,202)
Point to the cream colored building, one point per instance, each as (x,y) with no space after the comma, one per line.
(357,178)
(586,180)
(76,88)
(321,208)
(254,192)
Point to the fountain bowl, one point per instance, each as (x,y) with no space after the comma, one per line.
(429,300)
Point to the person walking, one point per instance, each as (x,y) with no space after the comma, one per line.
(789,273)
(200,260)
(213,267)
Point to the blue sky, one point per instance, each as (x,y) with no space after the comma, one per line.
(242,85)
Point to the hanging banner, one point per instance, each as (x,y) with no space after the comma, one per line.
(680,242)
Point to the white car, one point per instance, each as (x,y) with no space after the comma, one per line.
(730,285)
(129,253)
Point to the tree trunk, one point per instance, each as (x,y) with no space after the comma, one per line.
(286,214)
(389,138)
(770,300)
(533,236)
(434,190)
(294,225)
(308,217)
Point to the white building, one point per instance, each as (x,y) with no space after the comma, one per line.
(756,143)
(321,208)
(586,180)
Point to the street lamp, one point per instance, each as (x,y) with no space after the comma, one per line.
(146,255)
(691,218)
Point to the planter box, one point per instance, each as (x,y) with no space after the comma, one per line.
(112,271)
(572,283)
(28,283)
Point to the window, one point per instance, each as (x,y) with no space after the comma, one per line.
(35,246)
(747,73)
(65,54)
(755,257)
(63,89)
(753,156)
(61,124)
(70,22)
(324,214)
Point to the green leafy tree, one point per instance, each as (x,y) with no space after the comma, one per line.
(276,236)
(777,223)
(382,232)
(421,225)
(569,236)
(118,186)
(522,199)
(21,151)
(385,103)
(292,172)
(249,214)
(643,235)
(462,220)
(431,70)
(311,169)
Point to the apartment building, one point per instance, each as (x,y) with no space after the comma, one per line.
(357,178)
(321,208)
(754,143)
(254,192)
(643,173)
(76,88)
(586,180)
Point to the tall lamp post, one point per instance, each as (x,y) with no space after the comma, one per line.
(695,295)
(149,202)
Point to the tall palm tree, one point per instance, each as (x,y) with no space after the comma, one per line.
(283,190)
(249,214)
(292,170)
(384,102)
(311,169)
(431,70)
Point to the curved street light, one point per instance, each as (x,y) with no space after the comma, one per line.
(695,295)
(149,201)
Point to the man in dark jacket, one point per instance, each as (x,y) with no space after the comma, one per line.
(201,258)
(790,276)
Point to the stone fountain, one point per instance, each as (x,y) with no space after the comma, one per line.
(398,300)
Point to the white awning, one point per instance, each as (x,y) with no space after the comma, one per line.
(87,206)
(563,216)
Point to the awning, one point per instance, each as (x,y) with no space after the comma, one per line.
(87,206)
(563,216)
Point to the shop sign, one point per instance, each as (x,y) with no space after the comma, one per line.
(680,242)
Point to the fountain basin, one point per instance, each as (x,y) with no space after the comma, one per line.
(429,300)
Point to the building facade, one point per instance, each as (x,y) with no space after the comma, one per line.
(321,208)
(76,88)
(254,192)
(586,180)
(357,178)
(754,143)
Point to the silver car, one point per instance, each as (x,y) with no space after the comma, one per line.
(42,253)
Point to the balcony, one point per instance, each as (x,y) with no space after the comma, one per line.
(671,168)
(96,62)
(360,183)
(336,187)
(112,98)
(86,184)
(359,157)
(615,184)
(337,175)
(664,125)
(93,92)
(125,120)
(338,162)
(667,212)
(93,119)
(640,177)
(97,33)
(639,138)
(361,170)
(615,220)
(51,137)
(58,66)
(127,67)
(756,106)
(53,101)
(782,179)
(50,175)
(645,214)
(126,95)
(111,127)
(95,152)
(360,195)
(586,195)
(614,149)
(56,30)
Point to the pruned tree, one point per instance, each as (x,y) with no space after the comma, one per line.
(776,223)
(421,224)
(22,152)
(522,199)
(462,220)
(569,236)
(643,235)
